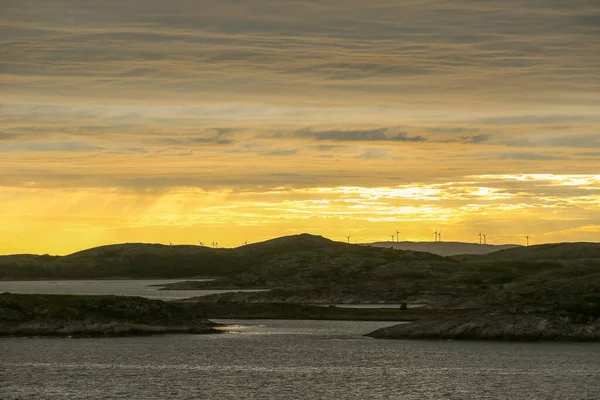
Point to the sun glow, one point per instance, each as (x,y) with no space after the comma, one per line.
(66,220)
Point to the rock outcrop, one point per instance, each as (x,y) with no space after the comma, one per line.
(94,316)
(496,327)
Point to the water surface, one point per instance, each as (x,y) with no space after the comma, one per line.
(295,360)
(121,287)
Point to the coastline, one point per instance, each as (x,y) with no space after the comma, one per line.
(96,316)
(497,327)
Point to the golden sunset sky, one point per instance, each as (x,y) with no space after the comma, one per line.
(186,121)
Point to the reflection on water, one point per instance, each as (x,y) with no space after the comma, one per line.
(295,360)
(330,329)
(148,288)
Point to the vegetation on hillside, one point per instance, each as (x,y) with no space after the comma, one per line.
(311,269)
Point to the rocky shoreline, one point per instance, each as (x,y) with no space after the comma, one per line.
(96,316)
(500,327)
(109,329)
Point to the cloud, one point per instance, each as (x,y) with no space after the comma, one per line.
(538,119)
(590,20)
(47,147)
(8,136)
(375,135)
(213,136)
(476,139)
(327,147)
(409,54)
(454,129)
(580,140)
(281,152)
(192,141)
(592,154)
(374,153)
(529,156)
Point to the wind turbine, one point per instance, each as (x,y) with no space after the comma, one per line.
(484,238)
(527,237)
(348,237)
(439,236)
(480,235)
(200,243)
(397,235)
(393,236)
(170,244)
(436,235)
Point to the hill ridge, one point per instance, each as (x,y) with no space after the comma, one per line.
(448,248)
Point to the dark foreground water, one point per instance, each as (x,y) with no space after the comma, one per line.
(295,360)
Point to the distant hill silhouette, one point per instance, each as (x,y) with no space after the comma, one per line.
(444,248)
(310,269)
(285,244)
(143,260)
(551,251)
(128,260)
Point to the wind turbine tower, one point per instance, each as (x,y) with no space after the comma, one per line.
(527,238)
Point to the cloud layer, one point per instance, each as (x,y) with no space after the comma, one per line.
(330,52)
(326,115)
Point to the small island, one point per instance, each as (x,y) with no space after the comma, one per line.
(96,316)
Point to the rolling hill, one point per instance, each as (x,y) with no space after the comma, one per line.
(307,268)
(445,248)
(129,260)
(552,251)
(140,260)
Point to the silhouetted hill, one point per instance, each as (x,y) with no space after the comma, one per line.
(445,248)
(287,244)
(129,260)
(552,251)
(140,260)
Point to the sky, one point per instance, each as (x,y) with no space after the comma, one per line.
(194,120)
